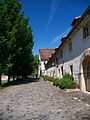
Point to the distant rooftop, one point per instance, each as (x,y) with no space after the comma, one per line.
(45,54)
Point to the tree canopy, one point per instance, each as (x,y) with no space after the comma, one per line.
(16,40)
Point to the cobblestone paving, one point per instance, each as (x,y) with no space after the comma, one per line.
(41,101)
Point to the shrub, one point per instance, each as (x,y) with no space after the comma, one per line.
(56,82)
(67,84)
(68,76)
(48,78)
(45,78)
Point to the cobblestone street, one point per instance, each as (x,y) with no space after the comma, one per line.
(41,100)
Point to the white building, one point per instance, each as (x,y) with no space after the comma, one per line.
(44,55)
(73,54)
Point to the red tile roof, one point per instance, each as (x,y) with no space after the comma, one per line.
(45,54)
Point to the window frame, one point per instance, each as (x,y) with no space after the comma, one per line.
(70,48)
(62,73)
(71,69)
(61,53)
(85,31)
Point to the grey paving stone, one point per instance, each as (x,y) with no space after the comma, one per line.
(41,101)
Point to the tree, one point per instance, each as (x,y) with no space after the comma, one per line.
(16,40)
(36,63)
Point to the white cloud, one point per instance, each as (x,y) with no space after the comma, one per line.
(58,38)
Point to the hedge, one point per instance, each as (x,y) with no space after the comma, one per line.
(67,82)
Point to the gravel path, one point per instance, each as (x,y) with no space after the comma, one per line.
(41,101)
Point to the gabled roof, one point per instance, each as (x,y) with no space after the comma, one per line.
(45,54)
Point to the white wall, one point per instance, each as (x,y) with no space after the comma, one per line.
(79,45)
(42,67)
(72,58)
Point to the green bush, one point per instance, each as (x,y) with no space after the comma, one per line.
(45,78)
(56,82)
(48,78)
(67,84)
(68,76)
(51,79)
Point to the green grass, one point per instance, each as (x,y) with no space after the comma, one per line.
(4,81)
(1,88)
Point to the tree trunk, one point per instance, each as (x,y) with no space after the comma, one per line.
(8,78)
(0,80)
(22,76)
(13,77)
(9,75)
(26,76)
(17,77)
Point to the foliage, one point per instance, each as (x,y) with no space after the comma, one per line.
(16,40)
(56,82)
(68,76)
(1,88)
(36,62)
(48,78)
(67,82)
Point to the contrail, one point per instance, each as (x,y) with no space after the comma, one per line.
(53,9)
(58,38)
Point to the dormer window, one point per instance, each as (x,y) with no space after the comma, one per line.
(85,31)
(70,46)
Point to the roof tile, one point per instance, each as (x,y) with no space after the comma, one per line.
(45,54)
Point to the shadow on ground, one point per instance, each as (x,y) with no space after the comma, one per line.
(21,81)
(83,115)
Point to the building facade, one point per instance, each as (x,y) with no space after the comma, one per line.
(73,54)
(44,55)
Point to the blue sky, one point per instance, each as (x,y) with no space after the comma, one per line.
(51,19)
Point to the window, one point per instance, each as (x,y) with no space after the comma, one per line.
(62,70)
(70,46)
(44,62)
(85,31)
(56,60)
(53,73)
(61,54)
(59,71)
(50,74)
(71,69)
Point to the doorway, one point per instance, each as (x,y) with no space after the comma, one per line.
(86,72)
